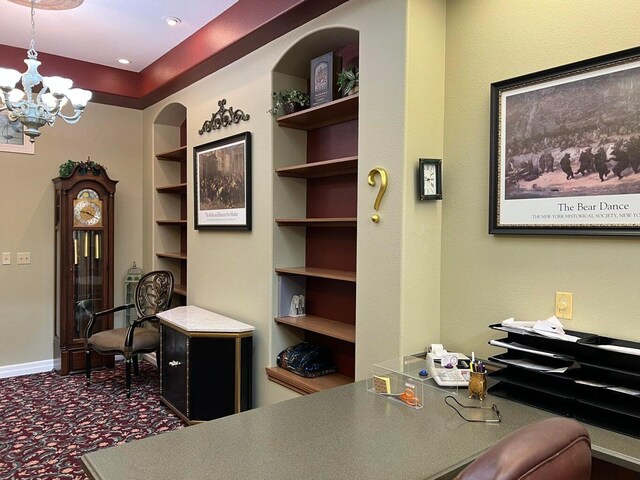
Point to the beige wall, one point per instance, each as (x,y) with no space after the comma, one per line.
(233,272)
(424,138)
(111,137)
(487,278)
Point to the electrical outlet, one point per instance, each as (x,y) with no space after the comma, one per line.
(6,258)
(564,305)
(23,258)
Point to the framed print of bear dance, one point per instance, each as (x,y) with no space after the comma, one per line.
(565,149)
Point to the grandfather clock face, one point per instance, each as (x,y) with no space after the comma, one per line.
(87,209)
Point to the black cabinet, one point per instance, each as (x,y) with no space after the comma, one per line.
(204,374)
(174,368)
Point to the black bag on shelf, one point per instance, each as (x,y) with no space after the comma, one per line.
(307,360)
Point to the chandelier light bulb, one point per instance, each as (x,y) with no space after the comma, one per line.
(8,78)
(79,97)
(15,95)
(49,101)
(58,86)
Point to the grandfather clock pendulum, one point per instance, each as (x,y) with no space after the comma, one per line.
(83,261)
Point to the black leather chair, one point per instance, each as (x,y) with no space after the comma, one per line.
(553,449)
(152,296)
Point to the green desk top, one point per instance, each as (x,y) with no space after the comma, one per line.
(342,433)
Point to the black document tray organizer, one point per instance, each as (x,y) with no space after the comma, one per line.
(560,393)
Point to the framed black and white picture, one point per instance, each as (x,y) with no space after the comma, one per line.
(12,137)
(565,149)
(222,183)
(430,179)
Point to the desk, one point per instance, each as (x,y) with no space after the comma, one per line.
(342,433)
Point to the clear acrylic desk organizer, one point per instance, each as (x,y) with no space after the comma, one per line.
(394,377)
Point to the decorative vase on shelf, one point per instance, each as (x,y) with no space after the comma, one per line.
(291,107)
(353,91)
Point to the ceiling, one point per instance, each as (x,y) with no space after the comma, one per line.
(102,31)
(84,43)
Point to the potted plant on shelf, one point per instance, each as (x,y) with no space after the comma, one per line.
(349,80)
(289,100)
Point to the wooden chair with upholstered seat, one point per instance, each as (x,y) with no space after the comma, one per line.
(152,296)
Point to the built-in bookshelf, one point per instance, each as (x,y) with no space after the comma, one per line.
(170,212)
(328,224)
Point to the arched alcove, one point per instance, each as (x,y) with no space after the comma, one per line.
(170,196)
(315,201)
(173,114)
(295,61)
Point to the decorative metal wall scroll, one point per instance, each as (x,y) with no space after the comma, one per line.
(223,118)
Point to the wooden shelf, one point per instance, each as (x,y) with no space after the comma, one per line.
(342,275)
(329,113)
(317,222)
(177,188)
(180,289)
(172,222)
(324,326)
(177,155)
(304,385)
(178,255)
(326,168)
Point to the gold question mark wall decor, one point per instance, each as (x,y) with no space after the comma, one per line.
(384,180)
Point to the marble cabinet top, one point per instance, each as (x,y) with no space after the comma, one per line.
(195,319)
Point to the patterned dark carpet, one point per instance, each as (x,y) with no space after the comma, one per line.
(47,422)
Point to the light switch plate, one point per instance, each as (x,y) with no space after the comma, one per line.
(6,258)
(564,305)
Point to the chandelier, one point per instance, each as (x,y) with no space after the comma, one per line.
(35,109)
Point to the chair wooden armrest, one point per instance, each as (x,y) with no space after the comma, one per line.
(94,316)
(128,341)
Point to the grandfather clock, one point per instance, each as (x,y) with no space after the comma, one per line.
(83,262)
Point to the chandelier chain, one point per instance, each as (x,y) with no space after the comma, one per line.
(32,45)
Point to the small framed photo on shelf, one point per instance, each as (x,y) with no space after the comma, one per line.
(12,137)
(222,184)
(430,179)
(323,79)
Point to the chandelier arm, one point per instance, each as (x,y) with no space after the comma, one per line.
(12,107)
(71,118)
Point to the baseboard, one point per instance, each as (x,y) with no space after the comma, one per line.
(26,368)
(151,358)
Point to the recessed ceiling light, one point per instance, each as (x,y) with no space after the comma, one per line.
(124,61)
(172,21)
